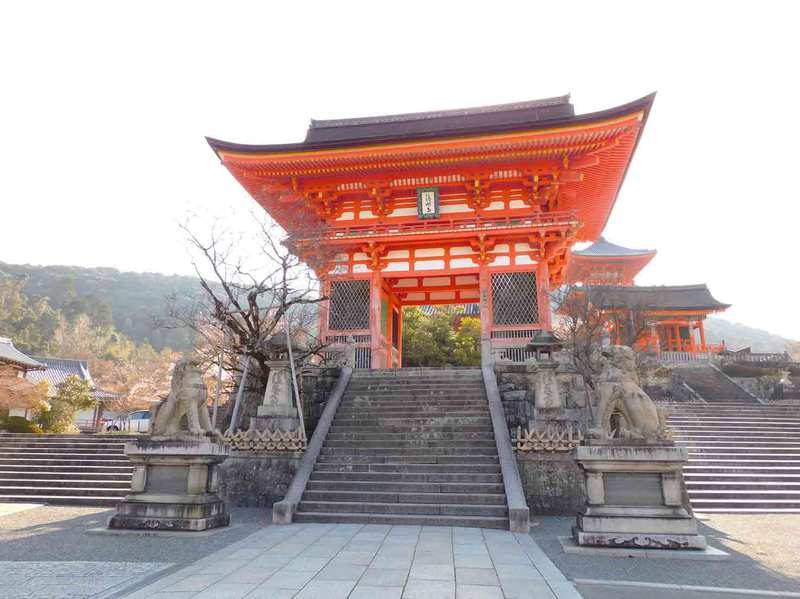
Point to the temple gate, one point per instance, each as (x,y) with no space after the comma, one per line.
(477,205)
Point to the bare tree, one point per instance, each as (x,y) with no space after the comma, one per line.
(246,299)
(586,316)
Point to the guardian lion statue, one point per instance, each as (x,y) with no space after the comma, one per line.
(187,398)
(618,392)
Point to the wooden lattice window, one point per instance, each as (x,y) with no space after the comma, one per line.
(349,307)
(514,299)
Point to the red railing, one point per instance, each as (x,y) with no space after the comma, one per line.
(439,225)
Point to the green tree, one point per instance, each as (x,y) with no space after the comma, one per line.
(440,339)
(73,394)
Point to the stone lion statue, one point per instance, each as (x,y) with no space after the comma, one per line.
(621,403)
(187,397)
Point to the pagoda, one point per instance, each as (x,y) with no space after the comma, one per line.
(673,314)
(477,205)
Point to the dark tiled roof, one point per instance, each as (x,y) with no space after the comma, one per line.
(11,355)
(676,297)
(444,120)
(603,248)
(57,371)
(521,116)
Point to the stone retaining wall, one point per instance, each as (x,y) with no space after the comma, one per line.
(257,479)
(553,483)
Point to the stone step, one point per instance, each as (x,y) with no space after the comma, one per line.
(743,451)
(732,488)
(425,387)
(411,497)
(372,415)
(413,436)
(735,466)
(776,510)
(363,444)
(79,468)
(403,519)
(400,403)
(424,488)
(94,500)
(57,445)
(407,429)
(466,450)
(51,455)
(735,423)
(409,468)
(7,482)
(6,460)
(408,459)
(422,421)
(746,478)
(737,442)
(94,491)
(750,494)
(115,451)
(86,438)
(695,462)
(737,432)
(401,477)
(370,507)
(746,504)
(65,475)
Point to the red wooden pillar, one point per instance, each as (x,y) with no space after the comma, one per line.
(324,307)
(703,345)
(543,292)
(692,343)
(677,332)
(376,344)
(485,290)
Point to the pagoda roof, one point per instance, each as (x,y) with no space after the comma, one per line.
(605,249)
(665,297)
(419,126)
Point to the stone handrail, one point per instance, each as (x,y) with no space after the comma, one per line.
(283,511)
(518,511)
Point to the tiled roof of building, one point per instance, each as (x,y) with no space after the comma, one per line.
(11,355)
(518,116)
(603,248)
(675,297)
(58,369)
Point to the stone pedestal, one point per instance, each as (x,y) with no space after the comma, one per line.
(542,379)
(174,486)
(277,411)
(635,498)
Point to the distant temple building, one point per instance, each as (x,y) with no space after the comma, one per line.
(673,315)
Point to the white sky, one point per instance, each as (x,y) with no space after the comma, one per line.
(103,109)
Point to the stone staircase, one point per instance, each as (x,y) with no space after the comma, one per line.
(409,446)
(742,458)
(64,469)
(712,385)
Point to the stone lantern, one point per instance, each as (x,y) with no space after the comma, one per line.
(541,372)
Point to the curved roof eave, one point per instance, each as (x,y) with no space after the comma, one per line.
(642,104)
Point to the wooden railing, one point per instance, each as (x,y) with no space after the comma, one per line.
(468,225)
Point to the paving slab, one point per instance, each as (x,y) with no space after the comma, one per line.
(331,561)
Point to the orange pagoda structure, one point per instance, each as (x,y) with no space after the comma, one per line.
(477,205)
(673,315)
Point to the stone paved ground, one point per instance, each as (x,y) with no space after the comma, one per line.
(764,555)
(338,561)
(45,552)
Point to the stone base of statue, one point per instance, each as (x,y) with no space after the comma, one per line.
(174,485)
(635,498)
